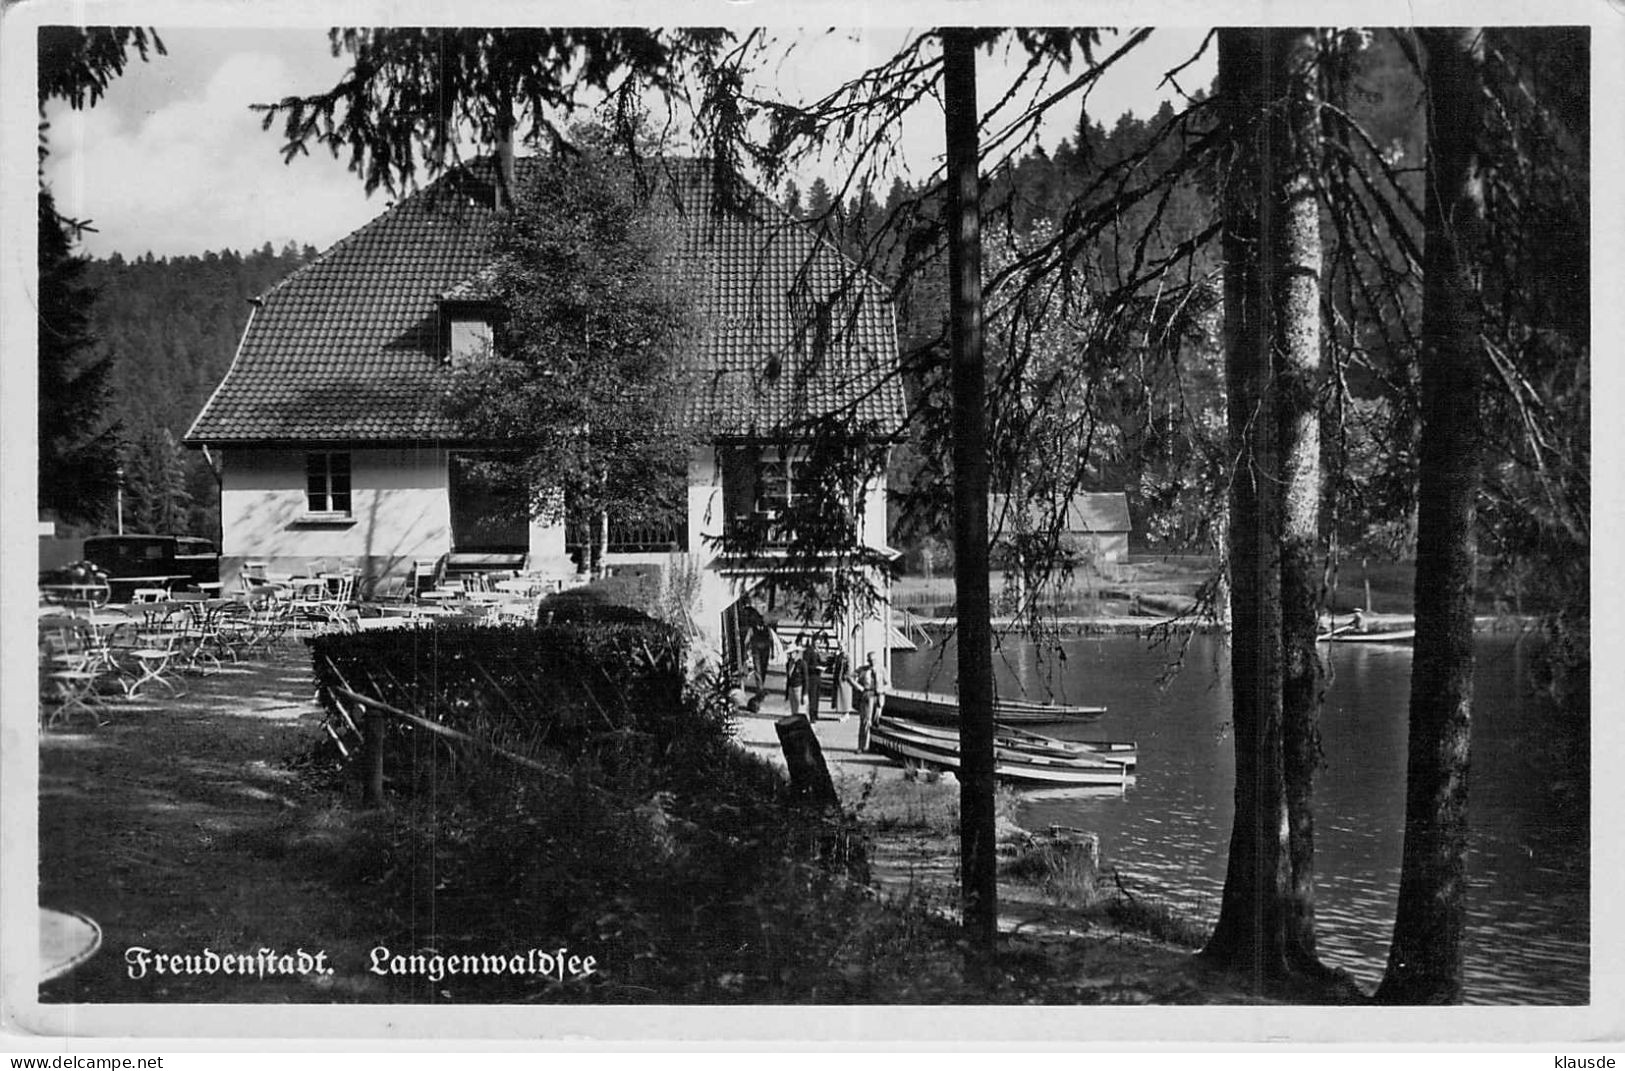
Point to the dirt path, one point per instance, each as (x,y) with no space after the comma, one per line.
(162,826)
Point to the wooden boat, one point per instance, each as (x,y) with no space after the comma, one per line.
(1019,741)
(1031,768)
(935,707)
(1346,634)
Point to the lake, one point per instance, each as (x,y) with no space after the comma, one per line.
(1529,797)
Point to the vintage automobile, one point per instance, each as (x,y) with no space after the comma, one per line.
(161,561)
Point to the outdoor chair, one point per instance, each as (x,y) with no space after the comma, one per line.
(427,575)
(336,605)
(109,634)
(270,617)
(154,662)
(307,603)
(230,628)
(69,673)
(389,589)
(251,585)
(184,632)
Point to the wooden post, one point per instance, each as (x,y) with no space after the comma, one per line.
(375,720)
(809,775)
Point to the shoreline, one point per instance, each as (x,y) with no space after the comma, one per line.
(914,862)
(1107,625)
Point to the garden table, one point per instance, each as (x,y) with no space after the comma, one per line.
(123,587)
(66,939)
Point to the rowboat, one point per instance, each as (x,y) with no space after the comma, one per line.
(935,707)
(1021,742)
(1033,768)
(1348,635)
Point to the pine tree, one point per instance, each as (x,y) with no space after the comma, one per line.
(78,438)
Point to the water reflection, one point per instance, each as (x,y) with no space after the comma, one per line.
(1528,864)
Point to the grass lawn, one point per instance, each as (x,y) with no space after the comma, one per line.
(154,825)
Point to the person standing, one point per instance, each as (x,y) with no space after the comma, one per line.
(862,699)
(840,671)
(875,685)
(872,686)
(815,676)
(758,645)
(795,681)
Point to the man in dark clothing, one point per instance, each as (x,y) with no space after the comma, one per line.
(758,645)
(815,676)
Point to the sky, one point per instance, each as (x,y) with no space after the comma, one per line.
(172,160)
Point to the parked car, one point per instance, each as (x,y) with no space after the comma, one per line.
(187,560)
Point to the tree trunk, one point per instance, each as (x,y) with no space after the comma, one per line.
(600,542)
(1296,295)
(1249,933)
(978,859)
(1425,959)
(507,185)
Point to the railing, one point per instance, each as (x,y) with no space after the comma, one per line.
(375,711)
(582,534)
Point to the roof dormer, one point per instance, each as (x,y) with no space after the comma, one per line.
(468,334)
(468,312)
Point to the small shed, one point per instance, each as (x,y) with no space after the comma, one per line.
(1093,518)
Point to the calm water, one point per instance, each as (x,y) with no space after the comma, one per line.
(1529,868)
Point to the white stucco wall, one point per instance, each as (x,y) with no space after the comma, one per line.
(704,503)
(546,553)
(399,511)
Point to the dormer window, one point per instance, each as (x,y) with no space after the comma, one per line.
(468,337)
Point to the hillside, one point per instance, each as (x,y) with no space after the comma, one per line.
(171,326)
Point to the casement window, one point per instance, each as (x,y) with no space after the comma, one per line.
(779,476)
(327,484)
(469,337)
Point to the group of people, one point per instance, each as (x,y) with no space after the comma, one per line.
(806,668)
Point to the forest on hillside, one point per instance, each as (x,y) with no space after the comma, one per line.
(1152,413)
(167,328)
(1140,348)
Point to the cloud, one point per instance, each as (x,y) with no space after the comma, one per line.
(174,162)
(197,173)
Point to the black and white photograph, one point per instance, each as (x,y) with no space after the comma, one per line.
(809,524)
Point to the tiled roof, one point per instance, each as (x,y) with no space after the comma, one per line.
(348,348)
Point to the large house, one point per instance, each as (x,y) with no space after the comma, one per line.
(334,452)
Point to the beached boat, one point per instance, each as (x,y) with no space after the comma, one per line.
(1347,634)
(938,708)
(1019,741)
(1026,767)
